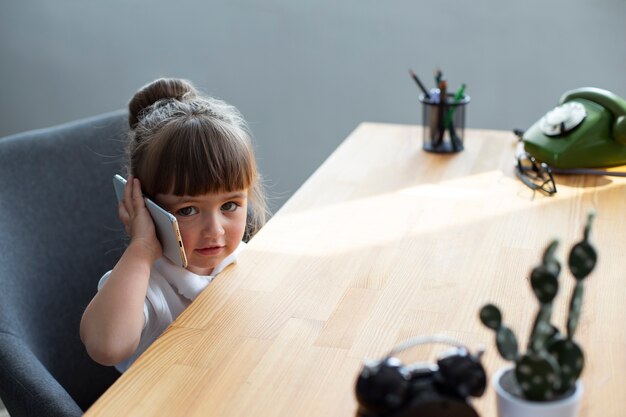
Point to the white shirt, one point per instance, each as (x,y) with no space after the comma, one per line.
(170,290)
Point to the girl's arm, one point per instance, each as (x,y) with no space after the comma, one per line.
(112,323)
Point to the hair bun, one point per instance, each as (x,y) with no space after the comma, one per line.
(163,88)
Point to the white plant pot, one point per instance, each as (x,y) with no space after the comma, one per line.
(512,406)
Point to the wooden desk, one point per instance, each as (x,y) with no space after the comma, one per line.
(385,242)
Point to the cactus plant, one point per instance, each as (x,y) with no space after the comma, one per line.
(553,361)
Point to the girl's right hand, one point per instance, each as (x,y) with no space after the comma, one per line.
(137,220)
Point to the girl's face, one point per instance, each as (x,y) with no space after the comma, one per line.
(211,225)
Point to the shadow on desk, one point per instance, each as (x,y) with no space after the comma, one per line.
(581,181)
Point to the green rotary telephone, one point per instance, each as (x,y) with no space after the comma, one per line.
(586,130)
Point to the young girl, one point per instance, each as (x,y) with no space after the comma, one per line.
(192,155)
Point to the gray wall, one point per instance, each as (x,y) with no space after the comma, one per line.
(306,73)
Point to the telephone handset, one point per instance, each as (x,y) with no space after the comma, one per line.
(586,130)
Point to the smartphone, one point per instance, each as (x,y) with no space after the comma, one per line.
(165,224)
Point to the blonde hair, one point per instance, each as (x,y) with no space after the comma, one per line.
(183,143)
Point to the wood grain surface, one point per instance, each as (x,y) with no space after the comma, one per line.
(385,242)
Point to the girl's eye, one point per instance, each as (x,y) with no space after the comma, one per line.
(230,206)
(187,211)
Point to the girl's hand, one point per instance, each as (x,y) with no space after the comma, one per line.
(137,220)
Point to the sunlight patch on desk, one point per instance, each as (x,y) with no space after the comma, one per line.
(378,220)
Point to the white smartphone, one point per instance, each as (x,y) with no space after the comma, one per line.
(165,224)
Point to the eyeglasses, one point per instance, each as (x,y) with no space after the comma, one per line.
(536,176)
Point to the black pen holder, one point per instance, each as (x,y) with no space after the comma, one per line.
(444,123)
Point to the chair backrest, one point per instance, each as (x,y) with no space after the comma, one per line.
(59,233)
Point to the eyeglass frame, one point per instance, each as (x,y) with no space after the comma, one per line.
(540,169)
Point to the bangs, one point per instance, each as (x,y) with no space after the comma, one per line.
(197,156)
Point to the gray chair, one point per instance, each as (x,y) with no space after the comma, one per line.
(59,233)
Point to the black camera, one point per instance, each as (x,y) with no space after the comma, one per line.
(388,388)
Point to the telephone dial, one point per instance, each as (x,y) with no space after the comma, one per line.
(586,130)
(388,388)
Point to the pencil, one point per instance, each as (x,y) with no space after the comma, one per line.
(419,84)
(441,110)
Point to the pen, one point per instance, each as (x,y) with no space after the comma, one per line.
(454,139)
(458,95)
(443,101)
(419,84)
(438,75)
